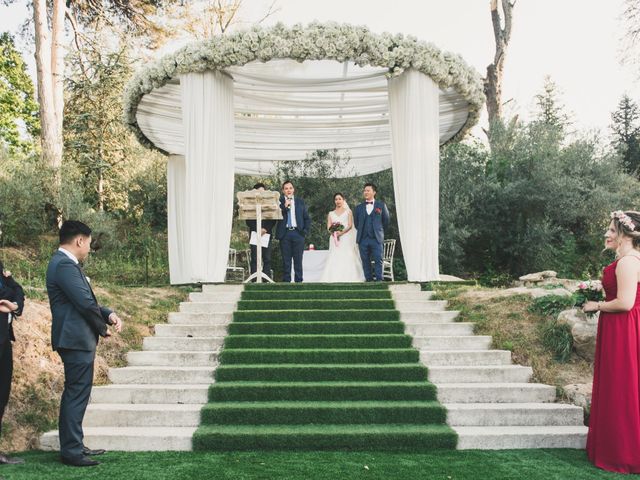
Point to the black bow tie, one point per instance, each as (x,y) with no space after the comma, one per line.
(369,203)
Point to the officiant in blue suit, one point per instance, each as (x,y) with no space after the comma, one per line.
(291,230)
(371,218)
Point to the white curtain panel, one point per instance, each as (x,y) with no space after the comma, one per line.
(415,158)
(176,189)
(208,126)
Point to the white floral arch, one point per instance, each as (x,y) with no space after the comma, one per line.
(236,103)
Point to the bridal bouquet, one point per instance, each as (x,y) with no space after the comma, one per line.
(588,290)
(334,229)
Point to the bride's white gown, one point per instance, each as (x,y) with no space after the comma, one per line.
(343,263)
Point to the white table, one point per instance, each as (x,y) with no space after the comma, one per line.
(313,262)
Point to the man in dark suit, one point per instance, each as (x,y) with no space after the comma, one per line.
(11,305)
(267,227)
(77,322)
(291,230)
(371,218)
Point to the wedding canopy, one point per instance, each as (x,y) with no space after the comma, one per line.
(238,103)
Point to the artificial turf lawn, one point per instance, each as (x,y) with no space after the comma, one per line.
(296,287)
(315,304)
(337,360)
(543,464)
(318,341)
(318,315)
(315,294)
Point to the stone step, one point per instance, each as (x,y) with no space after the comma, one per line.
(469,342)
(208,307)
(421,305)
(501,438)
(465,357)
(406,296)
(231,297)
(222,288)
(119,393)
(439,329)
(495,392)
(481,374)
(512,414)
(179,344)
(178,359)
(421,317)
(129,439)
(162,375)
(165,330)
(180,318)
(142,415)
(405,287)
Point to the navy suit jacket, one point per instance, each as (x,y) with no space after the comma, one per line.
(379,215)
(303,220)
(77,319)
(12,291)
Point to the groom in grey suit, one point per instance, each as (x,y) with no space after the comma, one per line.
(77,322)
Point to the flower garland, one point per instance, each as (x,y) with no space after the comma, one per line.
(624,219)
(317,41)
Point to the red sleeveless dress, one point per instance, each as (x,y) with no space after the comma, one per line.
(613,442)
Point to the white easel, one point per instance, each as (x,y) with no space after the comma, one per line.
(254,205)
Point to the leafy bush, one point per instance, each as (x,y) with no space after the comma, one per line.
(551,305)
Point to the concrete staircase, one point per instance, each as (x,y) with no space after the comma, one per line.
(155,402)
(490,403)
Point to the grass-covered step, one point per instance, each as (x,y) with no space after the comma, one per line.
(268,391)
(367,315)
(323,412)
(315,294)
(325,437)
(231,356)
(308,328)
(315,286)
(411,372)
(318,341)
(316,304)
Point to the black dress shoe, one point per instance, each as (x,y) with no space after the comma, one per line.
(4,460)
(91,453)
(82,461)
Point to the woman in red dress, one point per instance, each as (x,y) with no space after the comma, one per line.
(613,442)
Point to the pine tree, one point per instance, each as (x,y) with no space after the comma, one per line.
(626,134)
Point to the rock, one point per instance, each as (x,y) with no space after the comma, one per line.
(579,394)
(539,276)
(584,329)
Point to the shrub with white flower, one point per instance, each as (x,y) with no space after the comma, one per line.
(316,41)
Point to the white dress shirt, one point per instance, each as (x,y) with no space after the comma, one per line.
(69,254)
(369,208)
(292,213)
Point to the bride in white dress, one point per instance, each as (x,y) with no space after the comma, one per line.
(343,263)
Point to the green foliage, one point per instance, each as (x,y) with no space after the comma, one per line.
(551,305)
(626,134)
(19,113)
(557,338)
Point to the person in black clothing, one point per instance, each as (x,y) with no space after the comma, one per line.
(11,305)
(267,227)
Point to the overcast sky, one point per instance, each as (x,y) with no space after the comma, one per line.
(576,42)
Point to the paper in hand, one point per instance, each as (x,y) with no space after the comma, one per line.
(264,240)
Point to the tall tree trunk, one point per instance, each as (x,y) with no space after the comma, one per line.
(57,61)
(100,191)
(495,71)
(50,136)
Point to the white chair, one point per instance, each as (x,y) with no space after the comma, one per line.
(232,265)
(388,249)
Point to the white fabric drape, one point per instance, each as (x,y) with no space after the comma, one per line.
(176,228)
(284,110)
(414,118)
(208,130)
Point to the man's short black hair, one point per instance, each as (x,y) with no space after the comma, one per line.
(70,229)
(372,185)
(285,182)
(259,185)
